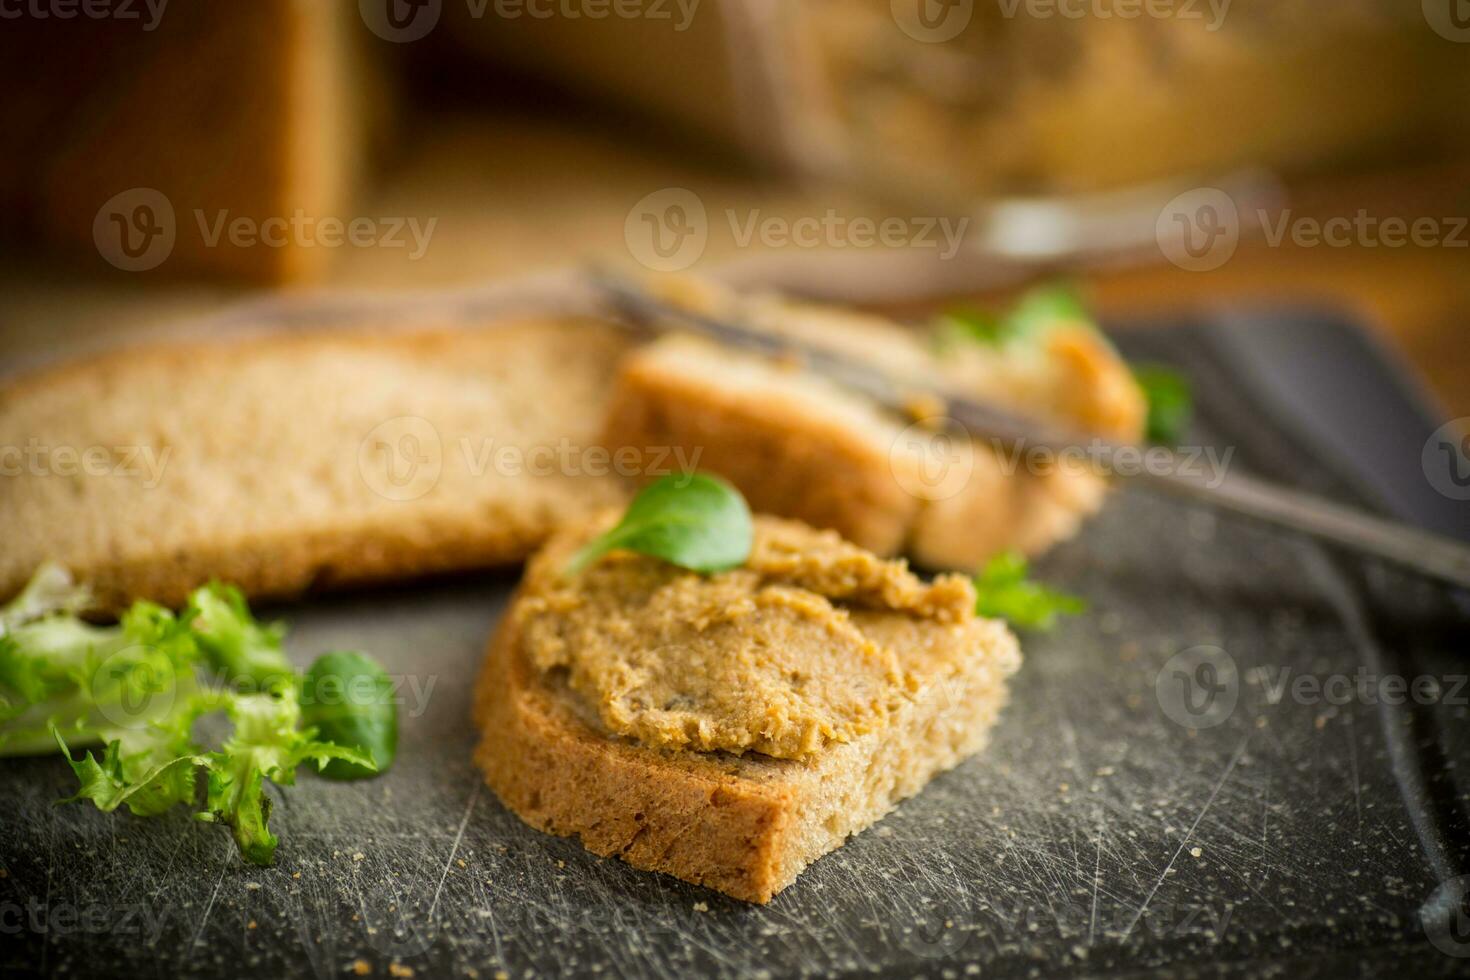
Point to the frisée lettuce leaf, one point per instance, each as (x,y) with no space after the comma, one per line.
(137,690)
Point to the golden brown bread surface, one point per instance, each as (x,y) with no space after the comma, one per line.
(288,461)
(795,445)
(745,824)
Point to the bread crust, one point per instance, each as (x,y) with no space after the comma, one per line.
(680,813)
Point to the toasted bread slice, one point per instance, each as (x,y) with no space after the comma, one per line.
(745,824)
(799,446)
(291,460)
(794,443)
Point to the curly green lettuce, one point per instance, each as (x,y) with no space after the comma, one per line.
(138,688)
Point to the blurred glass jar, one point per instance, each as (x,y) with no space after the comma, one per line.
(961,100)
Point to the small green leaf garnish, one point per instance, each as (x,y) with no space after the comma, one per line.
(348,698)
(1003,592)
(136,689)
(969,325)
(1170,403)
(1043,307)
(1034,312)
(692,520)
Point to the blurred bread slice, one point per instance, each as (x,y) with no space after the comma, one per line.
(255,112)
(289,461)
(798,446)
(794,443)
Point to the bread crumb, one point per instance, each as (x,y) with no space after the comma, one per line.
(358,855)
(701,906)
(252,886)
(361,967)
(1195,852)
(561,864)
(251,924)
(399,970)
(296,874)
(501,975)
(460,862)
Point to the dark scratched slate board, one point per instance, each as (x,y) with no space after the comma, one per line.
(1096,836)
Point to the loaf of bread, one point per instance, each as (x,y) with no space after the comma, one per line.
(285,461)
(143,136)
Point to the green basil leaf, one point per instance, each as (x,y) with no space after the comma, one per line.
(693,520)
(347,698)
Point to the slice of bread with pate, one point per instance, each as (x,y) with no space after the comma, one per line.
(799,446)
(730,729)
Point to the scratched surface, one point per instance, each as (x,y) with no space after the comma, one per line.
(1097,835)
